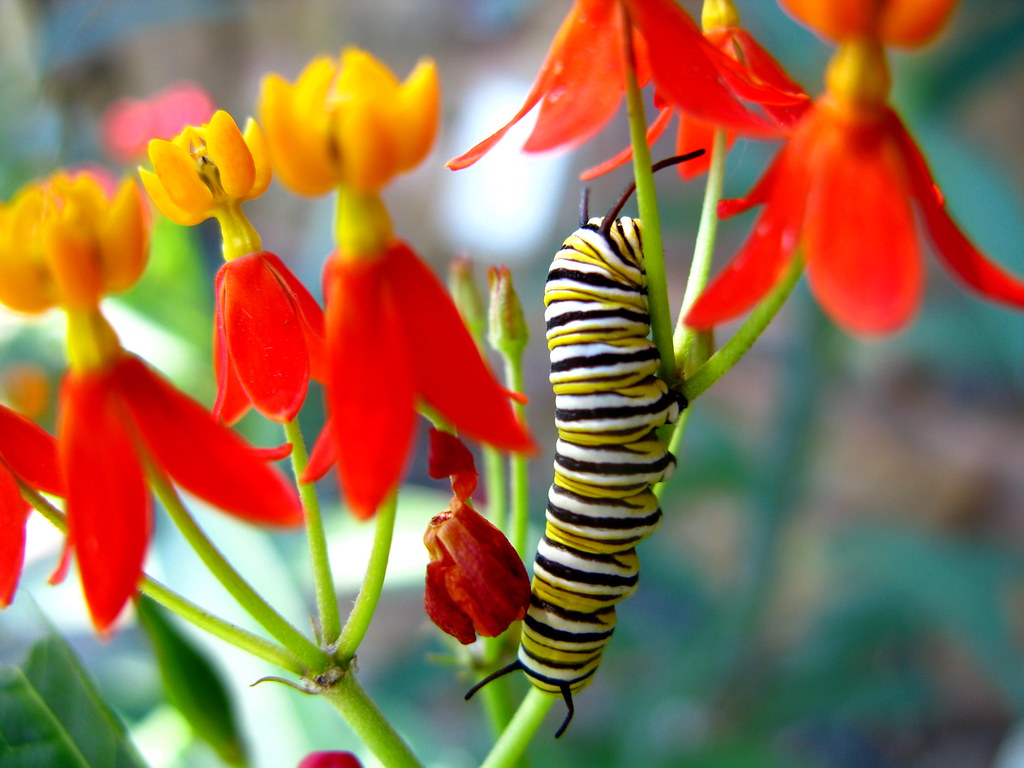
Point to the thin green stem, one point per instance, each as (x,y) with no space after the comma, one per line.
(497,701)
(326,598)
(366,601)
(700,267)
(185,608)
(248,598)
(370,725)
(497,486)
(516,738)
(520,497)
(218,627)
(725,358)
(647,204)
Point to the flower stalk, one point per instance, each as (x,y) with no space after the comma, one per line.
(320,562)
(369,594)
(527,719)
(313,659)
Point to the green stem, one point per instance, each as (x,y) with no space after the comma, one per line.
(248,598)
(370,725)
(520,498)
(527,719)
(185,608)
(366,601)
(497,485)
(326,597)
(700,267)
(218,627)
(725,358)
(647,204)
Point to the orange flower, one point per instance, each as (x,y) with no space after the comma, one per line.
(583,78)
(844,192)
(74,245)
(893,22)
(722,30)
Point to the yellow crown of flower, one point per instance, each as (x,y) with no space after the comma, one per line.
(65,241)
(205,169)
(348,122)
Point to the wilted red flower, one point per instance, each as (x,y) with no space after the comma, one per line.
(583,78)
(28,455)
(395,337)
(144,424)
(330,760)
(268,339)
(127,125)
(476,583)
(449,457)
(843,191)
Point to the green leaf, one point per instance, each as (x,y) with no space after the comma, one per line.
(193,685)
(52,715)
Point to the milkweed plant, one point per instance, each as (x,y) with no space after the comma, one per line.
(847,200)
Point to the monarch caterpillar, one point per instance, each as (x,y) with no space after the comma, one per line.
(608,404)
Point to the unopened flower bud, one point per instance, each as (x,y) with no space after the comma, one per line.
(466,295)
(507,329)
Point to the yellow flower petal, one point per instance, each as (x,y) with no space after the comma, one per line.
(416,114)
(25,284)
(370,158)
(177,171)
(158,194)
(227,150)
(257,144)
(362,75)
(123,239)
(295,124)
(73,259)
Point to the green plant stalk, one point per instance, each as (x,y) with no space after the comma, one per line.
(496,480)
(218,627)
(497,701)
(369,593)
(326,597)
(185,608)
(313,659)
(369,724)
(725,358)
(520,491)
(516,738)
(647,204)
(704,247)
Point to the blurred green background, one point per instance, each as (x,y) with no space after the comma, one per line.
(837,583)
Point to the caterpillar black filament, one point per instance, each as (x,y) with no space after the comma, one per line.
(608,404)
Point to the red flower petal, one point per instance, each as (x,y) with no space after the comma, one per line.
(13,514)
(108,505)
(308,312)
(763,66)
(441,606)
(695,134)
(754,270)
(232,403)
(688,70)
(654,131)
(264,336)
(449,457)
(863,261)
(966,261)
(30,452)
(587,77)
(449,372)
(322,457)
(204,457)
(370,386)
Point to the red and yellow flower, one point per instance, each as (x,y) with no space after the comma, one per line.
(394,338)
(583,79)
(847,191)
(268,333)
(64,242)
